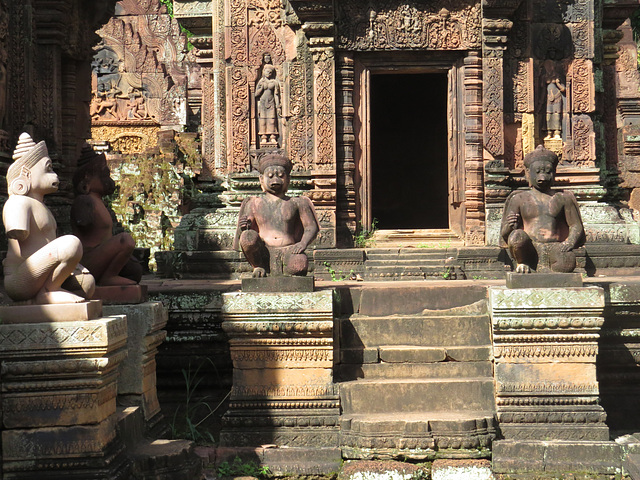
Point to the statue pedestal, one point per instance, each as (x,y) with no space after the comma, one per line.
(137,373)
(282,351)
(59,385)
(545,344)
(120,295)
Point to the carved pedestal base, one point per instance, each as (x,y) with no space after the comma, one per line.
(545,348)
(282,352)
(59,386)
(137,380)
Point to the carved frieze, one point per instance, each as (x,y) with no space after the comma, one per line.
(127,139)
(301,121)
(628,74)
(395,25)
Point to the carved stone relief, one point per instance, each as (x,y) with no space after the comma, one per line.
(583,94)
(137,72)
(584,141)
(393,25)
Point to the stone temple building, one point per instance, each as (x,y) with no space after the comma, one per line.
(414,116)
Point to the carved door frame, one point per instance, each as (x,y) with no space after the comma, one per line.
(450,63)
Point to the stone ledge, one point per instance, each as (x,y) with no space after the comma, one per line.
(515,457)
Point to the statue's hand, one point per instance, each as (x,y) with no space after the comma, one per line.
(297,248)
(565,247)
(513,219)
(244,223)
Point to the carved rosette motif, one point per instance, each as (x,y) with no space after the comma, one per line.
(395,25)
(545,346)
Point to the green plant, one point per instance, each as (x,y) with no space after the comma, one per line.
(364,238)
(188,421)
(169,5)
(448,273)
(336,275)
(238,467)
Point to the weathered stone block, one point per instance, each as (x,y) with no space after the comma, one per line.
(278,284)
(518,456)
(543,280)
(359,355)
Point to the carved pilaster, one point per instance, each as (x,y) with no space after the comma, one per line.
(494,43)
(346,144)
(545,348)
(474,171)
(238,88)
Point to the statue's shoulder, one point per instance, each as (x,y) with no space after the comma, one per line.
(20,202)
(567,195)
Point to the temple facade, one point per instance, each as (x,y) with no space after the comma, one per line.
(414,117)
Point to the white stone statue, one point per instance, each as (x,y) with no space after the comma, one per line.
(38,263)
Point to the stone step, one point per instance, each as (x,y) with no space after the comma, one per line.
(428,430)
(166,459)
(405,262)
(348,372)
(408,299)
(409,395)
(360,331)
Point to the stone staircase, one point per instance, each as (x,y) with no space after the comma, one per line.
(417,382)
(410,264)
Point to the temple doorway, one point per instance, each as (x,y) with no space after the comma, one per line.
(409,158)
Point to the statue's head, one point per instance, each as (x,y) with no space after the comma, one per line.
(269,71)
(92,174)
(540,168)
(32,169)
(275,171)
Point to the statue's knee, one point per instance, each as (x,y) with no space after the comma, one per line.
(297,264)
(562,262)
(69,248)
(127,242)
(518,239)
(249,239)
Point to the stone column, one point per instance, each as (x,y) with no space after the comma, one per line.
(282,351)
(545,344)
(137,373)
(59,382)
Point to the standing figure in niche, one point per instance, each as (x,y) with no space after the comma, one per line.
(269,109)
(555,100)
(38,265)
(107,256)
(542,226)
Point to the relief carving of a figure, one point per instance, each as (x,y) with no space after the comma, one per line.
(555,91)
(268,105)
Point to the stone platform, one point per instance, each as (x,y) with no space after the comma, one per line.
(59,386)
(600,341)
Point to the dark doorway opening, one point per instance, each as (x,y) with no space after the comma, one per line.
(409,151)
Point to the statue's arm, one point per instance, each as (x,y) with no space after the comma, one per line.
(259,88)
(309,220)
(82,213)
(245,220)
(16,217)
(511,216)
(576,235)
